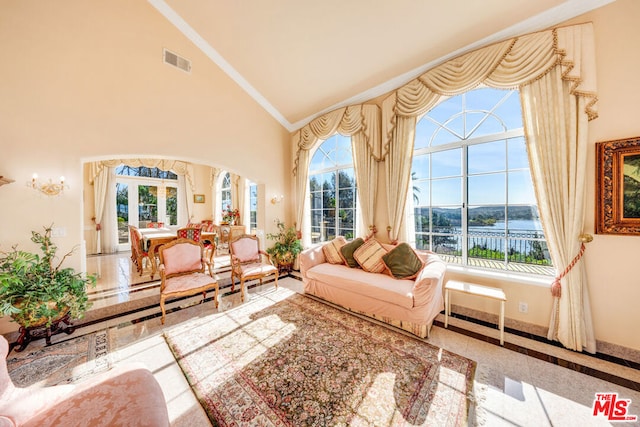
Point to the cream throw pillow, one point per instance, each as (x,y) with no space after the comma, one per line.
(331,250)
(369,256)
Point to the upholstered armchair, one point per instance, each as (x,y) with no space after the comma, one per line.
(182,271)
(249,262)
(125,395)
(155,224)
(192,233)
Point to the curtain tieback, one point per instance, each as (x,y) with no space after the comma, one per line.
(372,232)
(556,287)
(392,241)
(98,226)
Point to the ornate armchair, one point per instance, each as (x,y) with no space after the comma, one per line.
(182,266)
(249,262)
(191,233)
(125,395)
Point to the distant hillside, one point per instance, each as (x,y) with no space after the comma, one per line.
(483,215)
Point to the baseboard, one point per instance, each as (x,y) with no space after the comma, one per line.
(605,350)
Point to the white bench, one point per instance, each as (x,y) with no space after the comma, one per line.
(473,289)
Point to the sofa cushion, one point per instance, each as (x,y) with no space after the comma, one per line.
(380,287)
(348,250)
(403,262)
(331,250)
(369,256)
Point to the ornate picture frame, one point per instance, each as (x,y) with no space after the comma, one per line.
(618,186)
(198,198)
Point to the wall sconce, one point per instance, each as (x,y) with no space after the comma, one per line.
(276,199)
(49,188)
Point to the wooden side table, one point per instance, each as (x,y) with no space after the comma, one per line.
(474,289)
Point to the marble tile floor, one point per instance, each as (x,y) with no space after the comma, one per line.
(524,383)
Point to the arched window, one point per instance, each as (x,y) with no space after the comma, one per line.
(473,199)
(332,186)
(225,192)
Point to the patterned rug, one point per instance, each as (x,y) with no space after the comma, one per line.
(64,362)
(288,360)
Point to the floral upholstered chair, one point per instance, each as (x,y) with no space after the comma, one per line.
(249,262)
(125,395)
(155,224)
(192,233)
(182,271)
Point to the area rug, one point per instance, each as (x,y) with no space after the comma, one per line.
(67,361)
(283,359)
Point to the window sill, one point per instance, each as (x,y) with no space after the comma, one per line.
(507,276)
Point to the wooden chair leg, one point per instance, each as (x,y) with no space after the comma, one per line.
(276,280)
(242,289)
(233,281)
(162,308)
(215,295)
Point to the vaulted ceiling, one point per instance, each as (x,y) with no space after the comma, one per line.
(301,58)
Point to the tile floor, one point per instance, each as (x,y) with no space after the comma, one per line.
(525,383)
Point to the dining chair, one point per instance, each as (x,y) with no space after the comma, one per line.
(182,272)
(249,262)
(155,224)
(191,233)
(138,253)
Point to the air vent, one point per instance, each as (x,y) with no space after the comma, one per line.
(176,60)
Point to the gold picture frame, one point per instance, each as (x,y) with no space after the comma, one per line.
(618,186)
(198,198)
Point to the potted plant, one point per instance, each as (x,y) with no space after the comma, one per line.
(36,291)
(286,248)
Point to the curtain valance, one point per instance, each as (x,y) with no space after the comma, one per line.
(177,166)
(508,64)
(347,121)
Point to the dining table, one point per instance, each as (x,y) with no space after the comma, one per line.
(153,238)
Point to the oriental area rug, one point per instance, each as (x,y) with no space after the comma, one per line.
(284,359)
(68,361)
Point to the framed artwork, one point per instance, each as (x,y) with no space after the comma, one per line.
(618,187)
(198,198)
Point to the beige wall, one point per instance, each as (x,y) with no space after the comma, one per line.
(86,81)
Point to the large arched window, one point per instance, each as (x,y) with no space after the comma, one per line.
(332,186)
(473,198)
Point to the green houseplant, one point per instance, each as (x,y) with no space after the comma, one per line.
(287,246)
(34,288)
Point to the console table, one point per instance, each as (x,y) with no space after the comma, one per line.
(474,289)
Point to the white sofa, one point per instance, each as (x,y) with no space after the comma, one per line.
(408,304)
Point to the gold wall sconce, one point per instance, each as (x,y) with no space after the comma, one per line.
(276,199)
(49,187)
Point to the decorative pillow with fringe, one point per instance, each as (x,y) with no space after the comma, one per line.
(331,250)
(369,256)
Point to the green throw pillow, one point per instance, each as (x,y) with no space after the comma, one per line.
(402,262)
(348,250)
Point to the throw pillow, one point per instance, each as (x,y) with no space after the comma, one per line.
(331,250)
(347,252)
(403,262)
(369,256)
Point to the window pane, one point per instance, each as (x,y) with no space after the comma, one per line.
(420,167)
(421,218)
(487,189)
(521,188)
(447,191)
(420,191)
(172,206)
(518,154)
(424,129)
(122,209)
(347,198)
(446,163)
(447,220)
(488,157)
(147,204)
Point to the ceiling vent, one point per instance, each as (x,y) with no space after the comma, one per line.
(176,60)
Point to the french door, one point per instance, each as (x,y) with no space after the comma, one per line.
(140,201)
